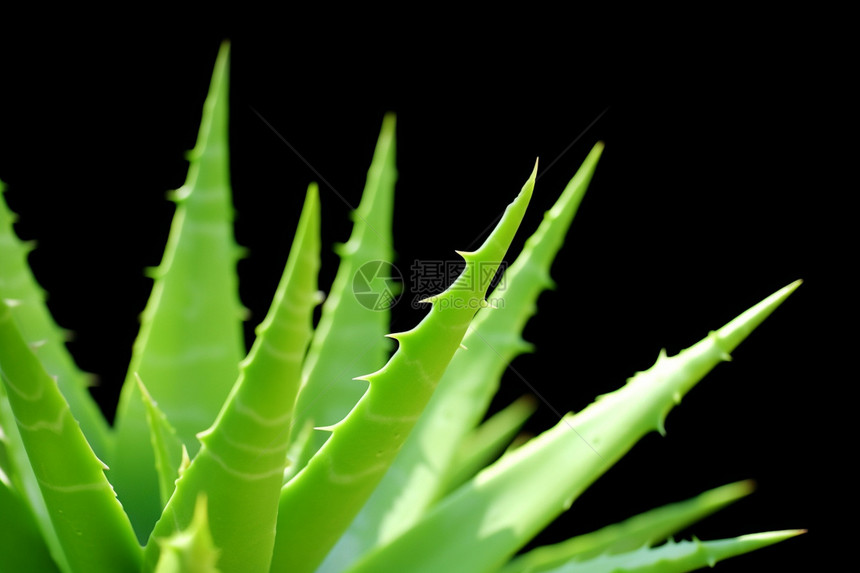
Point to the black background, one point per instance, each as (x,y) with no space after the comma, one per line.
(716,188)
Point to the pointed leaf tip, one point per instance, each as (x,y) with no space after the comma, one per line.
(738,489)
(595,152)
(733,333)
(508,224)
(389,121)
(780,535)
(192,550)
(223,55)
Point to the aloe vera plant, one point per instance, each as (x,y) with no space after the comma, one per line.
(280,461)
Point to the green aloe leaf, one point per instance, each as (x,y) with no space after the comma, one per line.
(421,471)
(482,524)
(192,550)
(20,475)
(20,291)
(220,464)
(319,503)
(23,295)
(165,444)
(487,441)
(240,466)
(300,438)
(190,341)
(5,461)
(349,339)
(21,543)
(89,521)
(645,529)
(676,557)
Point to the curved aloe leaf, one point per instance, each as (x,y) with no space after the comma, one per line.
(20,474)
(487,441)
(479,526)
(319,503)
(89,521)
(166,446)
(190,341)
(19,289)
(676,557)
(349,339)
(42,333)
(421,471)
(240,466)
(22,547)
(645,529)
